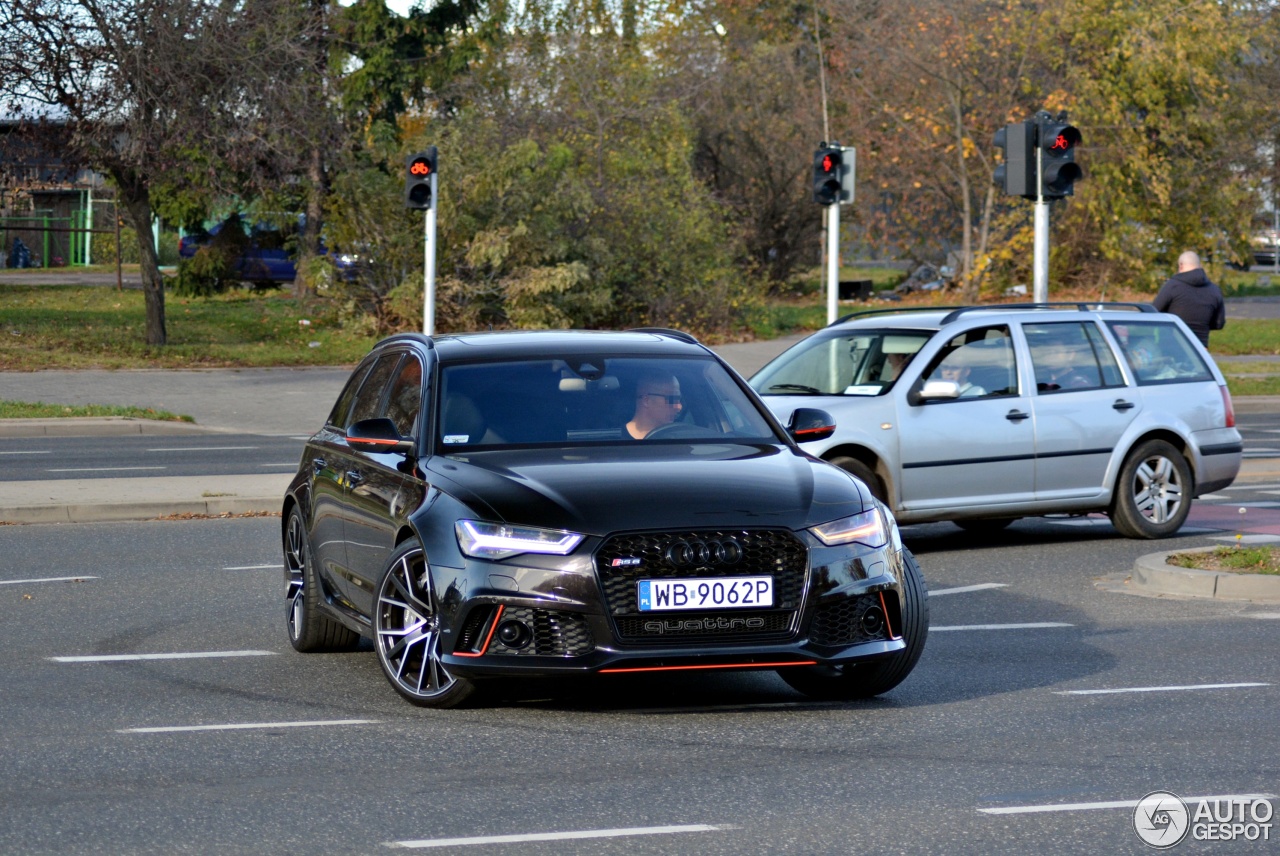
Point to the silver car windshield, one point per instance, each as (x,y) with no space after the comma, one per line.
(861,362)
(578,400)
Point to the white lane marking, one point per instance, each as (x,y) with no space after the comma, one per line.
(554,836)
(190,655)
(50,452)
(240,726)
(294,464)
(1159,689)
(1251,486)
(45,580)
(1213,496)
(1036,809)
(1038,626)
(1264,615)
(104,469)
(252,567)
(967,589)
(206,449)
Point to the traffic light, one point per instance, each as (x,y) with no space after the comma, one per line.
(419,170)
(1058,168)
(828,174)
(1017,175)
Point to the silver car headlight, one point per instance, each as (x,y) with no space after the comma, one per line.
(870,529)
(498,540)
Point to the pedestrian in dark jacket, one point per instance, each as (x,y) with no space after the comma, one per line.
(1193,298)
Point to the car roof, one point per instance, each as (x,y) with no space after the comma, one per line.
(935,318)
(526,344)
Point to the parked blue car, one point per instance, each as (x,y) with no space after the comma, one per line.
(266,252)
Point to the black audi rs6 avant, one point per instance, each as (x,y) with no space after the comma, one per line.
(555,503)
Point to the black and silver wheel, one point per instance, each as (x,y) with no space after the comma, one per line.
(1153,492)
(862,473)
(874,677)
(309,631)
(407,629)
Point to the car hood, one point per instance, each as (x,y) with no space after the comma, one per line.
(607,489)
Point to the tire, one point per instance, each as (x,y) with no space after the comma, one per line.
(1153,492)
(862,473)
(985,525)
(874,677)
(309,630)
(406,627)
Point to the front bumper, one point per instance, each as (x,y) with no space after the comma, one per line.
(844,605)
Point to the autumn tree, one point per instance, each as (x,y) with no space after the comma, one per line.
(161,95)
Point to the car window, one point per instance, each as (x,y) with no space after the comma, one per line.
(1065,357)
(981,362)
(338,416)
(405,399)
(861,362)
(368,403)
(1159,352)
(591,399)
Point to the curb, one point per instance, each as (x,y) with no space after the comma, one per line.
(1153,575)
(116,512)
(97,426)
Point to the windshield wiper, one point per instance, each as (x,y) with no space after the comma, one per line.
(795,387)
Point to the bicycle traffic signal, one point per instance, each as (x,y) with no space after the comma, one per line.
(419,170)
(1058,170)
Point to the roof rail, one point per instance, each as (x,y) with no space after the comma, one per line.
(894,311)
(420,338)
(1082,305)
(667,331)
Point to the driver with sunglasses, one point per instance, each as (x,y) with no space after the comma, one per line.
(657,404)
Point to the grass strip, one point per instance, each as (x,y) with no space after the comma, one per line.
(40,410)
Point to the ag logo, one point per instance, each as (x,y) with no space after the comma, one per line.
(1161,819)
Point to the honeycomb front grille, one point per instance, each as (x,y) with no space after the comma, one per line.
(840,623)
(555,634)
(623,560)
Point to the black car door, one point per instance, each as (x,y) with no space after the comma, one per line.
(382,488)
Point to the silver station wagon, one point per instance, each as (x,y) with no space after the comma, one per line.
(985,414)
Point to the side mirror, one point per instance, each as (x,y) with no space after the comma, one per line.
(808,424)
(940,390)
(378,435)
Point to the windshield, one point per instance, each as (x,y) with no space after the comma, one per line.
(594,400)
(850,362)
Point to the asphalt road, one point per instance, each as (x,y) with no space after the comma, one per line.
(982,750)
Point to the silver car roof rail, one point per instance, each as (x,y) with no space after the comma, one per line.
(1083,306)
(898,310)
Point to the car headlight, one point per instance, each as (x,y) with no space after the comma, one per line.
(498,540)
(869,529)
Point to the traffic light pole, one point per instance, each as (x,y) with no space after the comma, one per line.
(1040,257)
(833,261)
(429,264)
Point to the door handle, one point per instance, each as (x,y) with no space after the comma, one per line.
(1121,404)
(1016,416)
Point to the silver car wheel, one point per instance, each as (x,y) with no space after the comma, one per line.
(407,627)
(1157,489)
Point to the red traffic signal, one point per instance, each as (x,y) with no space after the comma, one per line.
(419,172)
(828,175)
(1058,169)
